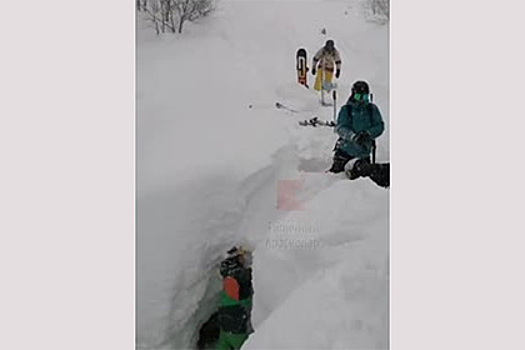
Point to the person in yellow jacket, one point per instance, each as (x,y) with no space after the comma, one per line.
(325,61)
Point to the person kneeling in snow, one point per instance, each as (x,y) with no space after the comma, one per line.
(359,123)
(236,299)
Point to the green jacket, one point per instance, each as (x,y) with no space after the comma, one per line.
(235,302)
(353,118)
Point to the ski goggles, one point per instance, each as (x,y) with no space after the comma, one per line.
(361,97)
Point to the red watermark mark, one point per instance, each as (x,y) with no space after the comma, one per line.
(287,198)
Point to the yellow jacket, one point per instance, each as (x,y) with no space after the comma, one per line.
(327,59)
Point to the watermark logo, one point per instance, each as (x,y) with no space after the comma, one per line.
(289,235)
(293,227)
(295,243)
(287,195)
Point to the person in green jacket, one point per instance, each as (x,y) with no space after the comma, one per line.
(359,123)
(235,304)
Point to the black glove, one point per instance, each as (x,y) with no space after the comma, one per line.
(362,137)
(313,71)
(337,73)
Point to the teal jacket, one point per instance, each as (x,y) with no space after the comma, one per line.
(353,118)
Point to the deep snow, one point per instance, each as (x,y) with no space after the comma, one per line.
(209,169)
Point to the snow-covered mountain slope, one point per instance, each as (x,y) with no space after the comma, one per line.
(212,155)
(322,273)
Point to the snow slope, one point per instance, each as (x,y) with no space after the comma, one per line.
(331,289)
(209,168)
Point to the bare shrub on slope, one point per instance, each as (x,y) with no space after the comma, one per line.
(171,15)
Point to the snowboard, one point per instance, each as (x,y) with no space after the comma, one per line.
(301,67)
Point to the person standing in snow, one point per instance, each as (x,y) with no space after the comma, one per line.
(324,62)
(359,123)
(235,300)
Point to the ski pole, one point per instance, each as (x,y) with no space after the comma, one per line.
(334,97)
(322,84)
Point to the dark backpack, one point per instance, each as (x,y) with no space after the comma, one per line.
(231,267)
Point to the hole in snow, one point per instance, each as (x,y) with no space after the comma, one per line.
(235,315)
(209,333)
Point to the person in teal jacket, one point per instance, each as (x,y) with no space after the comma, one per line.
(359,123)
(235,303)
